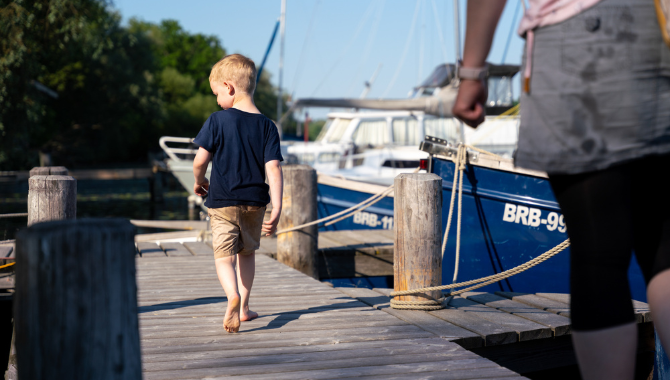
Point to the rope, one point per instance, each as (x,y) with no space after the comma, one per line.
(437,304)
(346,213)
(7,265)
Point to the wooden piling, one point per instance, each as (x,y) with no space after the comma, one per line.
(76,301)
(298,249)
(417,208)
(48,170)
(51,197)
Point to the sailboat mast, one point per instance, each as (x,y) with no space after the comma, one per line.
(457,31)
(282,27)
(457,45)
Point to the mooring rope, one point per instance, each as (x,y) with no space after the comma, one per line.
(346,213)
(437,304)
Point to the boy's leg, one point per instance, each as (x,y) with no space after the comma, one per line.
(225,235)
(251,222)
(225,269)
(246,269)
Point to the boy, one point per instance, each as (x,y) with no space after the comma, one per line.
(243,146)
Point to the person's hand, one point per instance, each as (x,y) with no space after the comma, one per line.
(469,105)
(201,188)
(270,225)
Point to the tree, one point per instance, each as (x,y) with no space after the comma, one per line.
(76,84)
(101,73)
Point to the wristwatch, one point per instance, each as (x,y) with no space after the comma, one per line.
(474,73)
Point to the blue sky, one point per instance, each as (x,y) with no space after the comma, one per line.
(332,47)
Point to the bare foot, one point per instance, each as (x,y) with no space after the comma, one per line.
(231,322)
(248,315)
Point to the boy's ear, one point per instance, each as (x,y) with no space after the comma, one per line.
(229,87)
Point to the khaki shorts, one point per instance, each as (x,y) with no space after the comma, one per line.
(236,229)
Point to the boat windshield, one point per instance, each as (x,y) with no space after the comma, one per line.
(371,133)
(333,130)
(406,131)
(500,92)
(447,129)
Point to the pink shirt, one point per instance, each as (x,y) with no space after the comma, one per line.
(542,13)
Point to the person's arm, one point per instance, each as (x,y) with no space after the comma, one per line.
(200,163)
(482,19)
(276,179)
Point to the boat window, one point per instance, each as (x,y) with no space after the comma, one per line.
(324,130)
(500,92)
(401,164)
(406,131)
(371,133)
(337,129)
(329,157)
(447,129)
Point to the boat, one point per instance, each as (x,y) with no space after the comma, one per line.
(509,215)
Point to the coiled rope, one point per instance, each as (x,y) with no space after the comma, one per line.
(437,304)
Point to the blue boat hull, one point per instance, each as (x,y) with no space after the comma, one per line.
(507,219)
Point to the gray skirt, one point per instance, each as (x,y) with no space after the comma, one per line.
(599,91)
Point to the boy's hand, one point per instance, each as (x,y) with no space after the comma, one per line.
(270,225)
(202,188)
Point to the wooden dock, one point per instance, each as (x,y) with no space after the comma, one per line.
(307,329)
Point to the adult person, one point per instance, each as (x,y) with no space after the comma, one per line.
(595,115)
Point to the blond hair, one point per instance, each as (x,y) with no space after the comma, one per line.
(235,68)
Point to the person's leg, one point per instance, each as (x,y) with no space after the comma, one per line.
(652,239)
(607,354)
(225,240)
(225,270)
(597,214)
(246,269)
(251,222)
(658,295)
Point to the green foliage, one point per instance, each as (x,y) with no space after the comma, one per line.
(315,128)
(118,89)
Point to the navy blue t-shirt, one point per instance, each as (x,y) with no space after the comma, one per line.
(241,143)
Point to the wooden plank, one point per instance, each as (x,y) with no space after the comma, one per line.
(492,333)
(641,309)
(466,369)
(148,249)
(420,319)
(269,245)
(526,329)
(199,248)
(175,249)
(560,325)
(257,366)
(166,236)
(541,303)
(171,224)
(292,349)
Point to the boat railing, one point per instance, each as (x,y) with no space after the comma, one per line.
(173,152)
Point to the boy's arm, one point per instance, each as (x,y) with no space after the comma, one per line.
(276,180)
(200,163)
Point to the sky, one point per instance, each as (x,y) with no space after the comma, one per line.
(332,47)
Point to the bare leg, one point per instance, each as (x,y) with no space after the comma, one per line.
(658,294)
(607,354)
(246,269)
(225,269)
